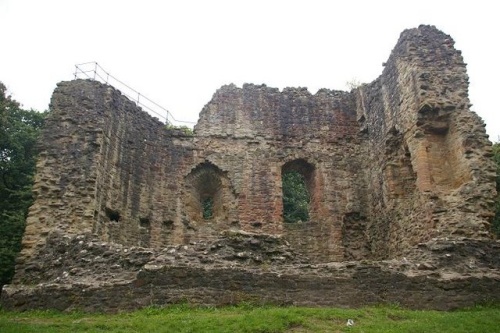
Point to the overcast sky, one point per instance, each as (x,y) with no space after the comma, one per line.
(178,53)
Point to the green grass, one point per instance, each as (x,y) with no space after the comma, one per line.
(244,318)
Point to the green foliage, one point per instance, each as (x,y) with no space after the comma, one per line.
(295,197)
(496,158)
(184,129)
(18,134)
(208,207)
(255,319)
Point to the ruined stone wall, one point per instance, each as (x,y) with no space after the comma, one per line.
(148,182)
(137,169)
(398,170)
(393,163)
(431,173)
(82,273)
(66,179)
(106,167)
(257,132)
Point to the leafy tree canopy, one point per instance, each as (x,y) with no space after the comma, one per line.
(18,134)
(295,197)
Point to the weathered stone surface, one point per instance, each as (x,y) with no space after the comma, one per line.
(398,170)
(81,272)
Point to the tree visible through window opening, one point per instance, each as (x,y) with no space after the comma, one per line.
(295,197)
(208,208)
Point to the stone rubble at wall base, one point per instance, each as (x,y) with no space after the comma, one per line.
(92,275)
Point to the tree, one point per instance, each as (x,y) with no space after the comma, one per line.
(496,219)
(295,197)
(18,135)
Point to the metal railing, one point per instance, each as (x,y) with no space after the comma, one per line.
(92,70)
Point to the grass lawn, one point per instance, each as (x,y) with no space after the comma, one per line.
(245,318)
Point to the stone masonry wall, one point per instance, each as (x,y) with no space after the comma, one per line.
(393,163)
(391,166)
(101,160)
(255,132)
(431,175)
(147,181)
(83,273)
(66,179)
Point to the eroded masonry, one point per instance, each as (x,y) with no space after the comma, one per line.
(399,174)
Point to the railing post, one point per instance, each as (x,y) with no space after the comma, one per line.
(98,77)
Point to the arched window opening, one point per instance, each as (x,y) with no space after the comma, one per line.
(206,198)
(208,201)
(296,177)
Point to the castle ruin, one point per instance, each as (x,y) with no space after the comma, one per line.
(399,173)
